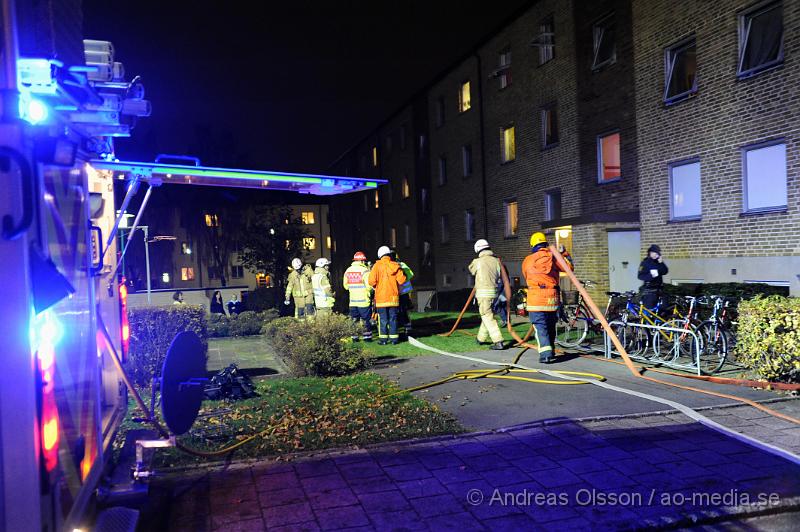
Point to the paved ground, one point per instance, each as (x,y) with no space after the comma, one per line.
(248,352)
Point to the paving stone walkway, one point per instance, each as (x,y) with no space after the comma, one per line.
(651,471)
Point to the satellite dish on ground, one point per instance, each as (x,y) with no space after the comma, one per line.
(183,378)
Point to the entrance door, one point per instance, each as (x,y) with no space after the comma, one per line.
(623,260)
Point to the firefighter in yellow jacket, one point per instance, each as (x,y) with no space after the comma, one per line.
(296,289)
(386,277)
(355,282)
(486,269)
(308,288)
(321,283)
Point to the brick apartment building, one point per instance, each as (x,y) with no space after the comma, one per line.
(562,121)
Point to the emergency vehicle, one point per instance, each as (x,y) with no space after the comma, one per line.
(63,318)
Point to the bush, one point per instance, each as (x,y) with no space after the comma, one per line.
(277,326)
(152,332)
(320,347)
(246,323)
(261,299)
(768,339)
(734,290)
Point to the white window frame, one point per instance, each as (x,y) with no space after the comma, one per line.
(773,208)
(598,31)
(672,167)
(546,40)
(503,71)
(600,164)
(670,57)
(745,21)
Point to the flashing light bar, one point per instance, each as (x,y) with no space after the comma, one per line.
(320,185)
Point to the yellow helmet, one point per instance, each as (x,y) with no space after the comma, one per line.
(538,238)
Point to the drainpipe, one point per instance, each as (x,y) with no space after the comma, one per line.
(483,147)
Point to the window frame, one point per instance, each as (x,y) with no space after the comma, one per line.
(600,165)
(670,167)
(466,160)
(405,188)
(507,220)
(550,37)
(441,176)
(234,271)
(444,229)
(503,129)
(548,212)
(504,67)
(304,218)
(549,108)
(469,225)
(743,31)
(440,112)
(670,55)
(407,235)
(464,105)
(598,39)
(760,145)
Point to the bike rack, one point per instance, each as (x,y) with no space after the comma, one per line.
(675,347)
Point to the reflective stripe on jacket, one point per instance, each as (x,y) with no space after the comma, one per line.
(323,294)
(406,286)
(386,277)
(355,282)
(486,269)
(541,274)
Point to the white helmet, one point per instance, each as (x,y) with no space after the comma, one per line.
(297,264)
(321,263)
(383,250)
(480,245)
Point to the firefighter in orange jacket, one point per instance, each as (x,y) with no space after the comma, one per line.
(541,274)
(386,277)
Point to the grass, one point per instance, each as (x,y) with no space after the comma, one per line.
(309,414)
(427,327)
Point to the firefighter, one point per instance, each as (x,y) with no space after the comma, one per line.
(308,289)
(403,319)
(355,282)
(486,269)
(295,289)
(540,270)
(386,277)
(321,283)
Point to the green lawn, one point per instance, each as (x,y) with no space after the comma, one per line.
(427,327)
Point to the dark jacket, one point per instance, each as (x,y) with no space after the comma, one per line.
(650,282)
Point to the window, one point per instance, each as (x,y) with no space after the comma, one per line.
(212,220)
(393,238)
(403,133)
(466,159)
(187,274)
(423,198)
(765,177)
(447,279)
(421,144)
(508,147)
(328,242)
(186,248)
(464,98)
(469,225)
(684,186)
(237,271)
(307,217)
(406,188)
(760,38)
(375,156)
(440,112)
(545,41)
(377,199)
(605,51)
(549,126)
(503,72)
(407,235)
(512,217)
(552,205)
(309,243)
(680,70)
(165,278)
(608,158)
(444,229)
(442,170)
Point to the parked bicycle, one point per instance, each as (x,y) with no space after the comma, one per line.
(716,334)
(576,321)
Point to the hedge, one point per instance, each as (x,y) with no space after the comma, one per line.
(246,323)
(734,290)
(152,331)
(768,337)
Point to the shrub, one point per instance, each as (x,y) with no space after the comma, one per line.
(768,339)
(736,290)
(320,347)
(152,332)
(247,323)
(277,326)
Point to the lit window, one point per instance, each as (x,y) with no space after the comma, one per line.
(545,41)
(393,237)
(328,242)
(185,248)
(407,235)
(444,229)
(307,217)
(406,188)
(237,271)
(375,156)
(508,146)
(511,209)
(685,190)
(377,200)
(165,277)
(503,72)
(262,281)
(469,225)
(212,220)
(549,126)
(464,97)
(187,274)
(466,159)
(552,205)
(680,62)
(608,158)
(288,245)
(309,243)
(605,51)
(765,177)
(760,38)
(442,170)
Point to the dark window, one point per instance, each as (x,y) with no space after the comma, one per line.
(549,126)
(605,51)
(237,271)
(680,63)
(442,170)
(469,225)
(466,159)
(552,205)
(545,41)
(444,227)
(760,38)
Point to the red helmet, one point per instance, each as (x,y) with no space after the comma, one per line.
(359,256)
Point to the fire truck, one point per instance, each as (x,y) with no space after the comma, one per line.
(63,319)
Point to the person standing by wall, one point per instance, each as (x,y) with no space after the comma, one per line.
(541,274)
(486,269)
(321,283)
(217,305)
(651,272)
(294,289)
(386,277)
(355,282)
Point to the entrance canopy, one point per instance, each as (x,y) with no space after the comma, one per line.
(318,185)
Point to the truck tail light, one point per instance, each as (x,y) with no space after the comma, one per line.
(124,324)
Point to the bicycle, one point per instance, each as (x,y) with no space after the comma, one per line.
(576,320)
(716,334)
(683,344)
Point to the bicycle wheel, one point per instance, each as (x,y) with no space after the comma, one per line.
(673,346)
(635,340)
(571,327)
(714,350)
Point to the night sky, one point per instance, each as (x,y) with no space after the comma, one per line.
(288,86)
